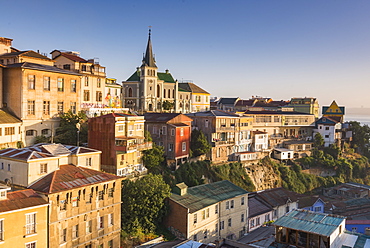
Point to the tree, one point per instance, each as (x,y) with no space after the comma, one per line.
(318,141)
(144,203)
(167,105)
(361,136)
(66,133)
(153,158)
(198,143)
(148,136)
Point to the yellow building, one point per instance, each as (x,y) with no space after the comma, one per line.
(85,207)
(121,139)
(200,99)
(37,92)
(23,219)
(92,93)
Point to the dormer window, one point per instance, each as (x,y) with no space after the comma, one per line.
(3,191)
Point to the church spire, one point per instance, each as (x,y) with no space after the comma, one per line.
(148,59)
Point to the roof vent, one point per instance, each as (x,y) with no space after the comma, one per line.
(181,189)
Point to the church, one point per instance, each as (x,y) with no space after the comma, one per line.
(148,90)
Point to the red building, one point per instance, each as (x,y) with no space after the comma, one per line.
(172,131)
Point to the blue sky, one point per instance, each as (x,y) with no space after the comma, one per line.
(271,48)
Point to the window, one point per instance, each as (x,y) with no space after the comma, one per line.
(242,218)
(46,108)
(207,213)
(326,136)
(89,226)
(99,96)
(31,107)
(31,82)
(203,214)
(317,209)
(101,195)
(100,222)
(31,245)
(46,83)
(229,222)
(45,131)
(195,219)
(110,219)
(205,234)
(183,146)
(232,204)
(60,84)
(326,128)
(2,229)
(86,95)
(75,231)
(267,217)
(98,84)
(83,68)
(242,200)
(9,130)
(354,229)
(110,192)
(287,209)
(63,235)
(43,168)
(170,147)
(216,209)
(75,202)
(73,85)
(257,221)
(67,67)
(181,132)
(60,107)
(30,223)
(8,167)
(172,132)
(227,205)
(110,244)
(216,227)
(222,225)
(195,237)
(73,107)
(88,161)
(86,81)
(252,223)
(2,166)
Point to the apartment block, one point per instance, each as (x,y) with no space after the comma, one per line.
(121,139)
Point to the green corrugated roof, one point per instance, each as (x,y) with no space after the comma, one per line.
(311,222)
(199,197)
(167,77)
(134,77)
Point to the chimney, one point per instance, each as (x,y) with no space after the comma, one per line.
(181,189)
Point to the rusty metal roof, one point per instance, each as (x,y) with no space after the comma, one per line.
(201,196)
(21,199)
(310,222)
(69,177)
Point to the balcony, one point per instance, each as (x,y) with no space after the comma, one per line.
(123,147)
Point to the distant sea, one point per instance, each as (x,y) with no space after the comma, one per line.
(361,115)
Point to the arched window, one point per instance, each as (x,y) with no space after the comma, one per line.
(158,91)
(130,92)
(169,93)
(164,93)
(173,93)
(181,97)
(148,72)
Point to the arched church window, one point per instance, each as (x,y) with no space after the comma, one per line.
(164,93)
(148,72)
(158,91)
(169,93)
(130,92)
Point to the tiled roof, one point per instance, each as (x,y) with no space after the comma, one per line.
(28,53)
(267,112)
(40,67)
(199,197)
(277,196)
(69,177)
(6,117)
(216,113)
(21,199)
(311,222)
(192,88)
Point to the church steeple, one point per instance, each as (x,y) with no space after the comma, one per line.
(148,59)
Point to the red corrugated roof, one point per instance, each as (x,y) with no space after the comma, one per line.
(73,57)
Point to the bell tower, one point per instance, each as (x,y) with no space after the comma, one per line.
(148,77)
